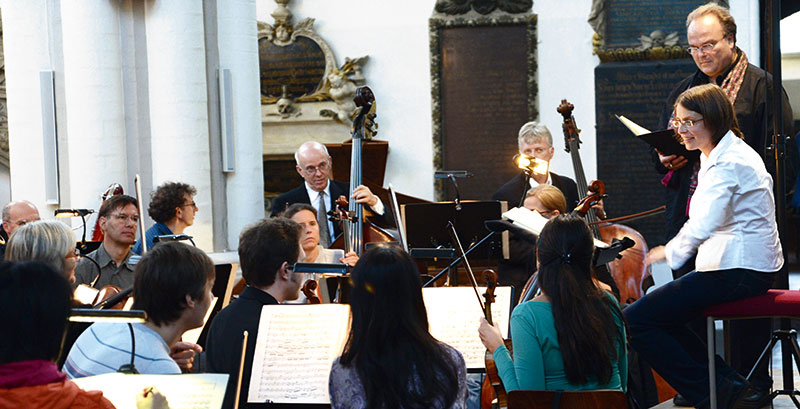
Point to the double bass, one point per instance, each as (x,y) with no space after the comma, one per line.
(356,230)
(630,270)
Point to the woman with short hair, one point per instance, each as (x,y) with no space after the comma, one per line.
(46,241)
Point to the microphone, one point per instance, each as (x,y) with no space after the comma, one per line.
(447,174)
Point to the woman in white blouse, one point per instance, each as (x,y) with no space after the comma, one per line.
(732,232)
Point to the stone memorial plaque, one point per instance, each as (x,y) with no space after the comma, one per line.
(638,91)
(485,98)
(299,65)
(630,19)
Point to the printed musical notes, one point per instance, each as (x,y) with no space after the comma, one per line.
(194,391)
(454,316)
(295,347)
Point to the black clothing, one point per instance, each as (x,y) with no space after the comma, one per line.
(522,255)
(750,105)
(513,190)
(224,343)
(300,195)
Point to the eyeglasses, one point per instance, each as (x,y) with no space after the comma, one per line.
(23,222)
(311,170)
(124,217)
(689,123)
(192,204)
(705,48)
(75,253)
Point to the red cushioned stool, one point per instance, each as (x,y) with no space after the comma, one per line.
(773,304)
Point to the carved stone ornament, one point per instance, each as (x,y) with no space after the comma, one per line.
(483,7)
(298,66)
(623,29)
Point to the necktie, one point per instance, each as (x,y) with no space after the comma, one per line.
(322,220)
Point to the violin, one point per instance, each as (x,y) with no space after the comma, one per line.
(629,271)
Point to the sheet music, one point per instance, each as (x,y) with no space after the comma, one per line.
(193,391)
(295,347)
(454,317)
(533,221)
(193,335)
(633,126)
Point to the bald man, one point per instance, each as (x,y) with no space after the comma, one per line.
(315,167)
(15,215)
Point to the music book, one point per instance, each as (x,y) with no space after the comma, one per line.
(534,222)
(454,317)
(196,391)
(193,335)
(295,348)
(665,141)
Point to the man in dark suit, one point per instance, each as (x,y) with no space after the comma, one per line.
(535,140)
(314,166)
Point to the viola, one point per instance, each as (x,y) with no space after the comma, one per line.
(310,291)
(492,384)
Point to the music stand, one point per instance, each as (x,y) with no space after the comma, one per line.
(426,226)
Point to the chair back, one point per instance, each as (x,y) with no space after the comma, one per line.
(601,399)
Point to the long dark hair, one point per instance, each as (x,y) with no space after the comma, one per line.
(398,361)
(583,314)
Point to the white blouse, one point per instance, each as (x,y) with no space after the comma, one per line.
(732,214)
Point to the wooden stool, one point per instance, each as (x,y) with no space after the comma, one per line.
(773,304)
(600,399)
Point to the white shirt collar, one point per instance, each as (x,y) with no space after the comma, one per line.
(534,183)
(313,194)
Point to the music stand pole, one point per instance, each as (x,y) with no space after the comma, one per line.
(457,260)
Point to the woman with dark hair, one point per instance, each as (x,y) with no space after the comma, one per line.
(571,336)
(390,359)
(35,303)
(732,232)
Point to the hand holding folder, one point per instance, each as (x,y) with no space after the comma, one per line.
(664,141)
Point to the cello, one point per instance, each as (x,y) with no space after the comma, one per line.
(630,271)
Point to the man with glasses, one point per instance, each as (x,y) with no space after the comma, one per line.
(173,208)
(15,215)
(314,166)
(711,33)
(118,219)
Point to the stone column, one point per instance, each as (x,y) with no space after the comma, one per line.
(178,103)
(238,51)
(94,99)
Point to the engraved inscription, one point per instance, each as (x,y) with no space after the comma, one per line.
(629,19)
(638,91)
(300,66)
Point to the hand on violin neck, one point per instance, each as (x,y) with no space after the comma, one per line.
(363,195)
(491,336)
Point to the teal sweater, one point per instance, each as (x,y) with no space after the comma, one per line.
(537,363)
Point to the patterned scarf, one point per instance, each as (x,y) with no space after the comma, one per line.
(731,85)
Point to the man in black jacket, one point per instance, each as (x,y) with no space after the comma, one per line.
(535,140)
(314,166)
(267,250)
